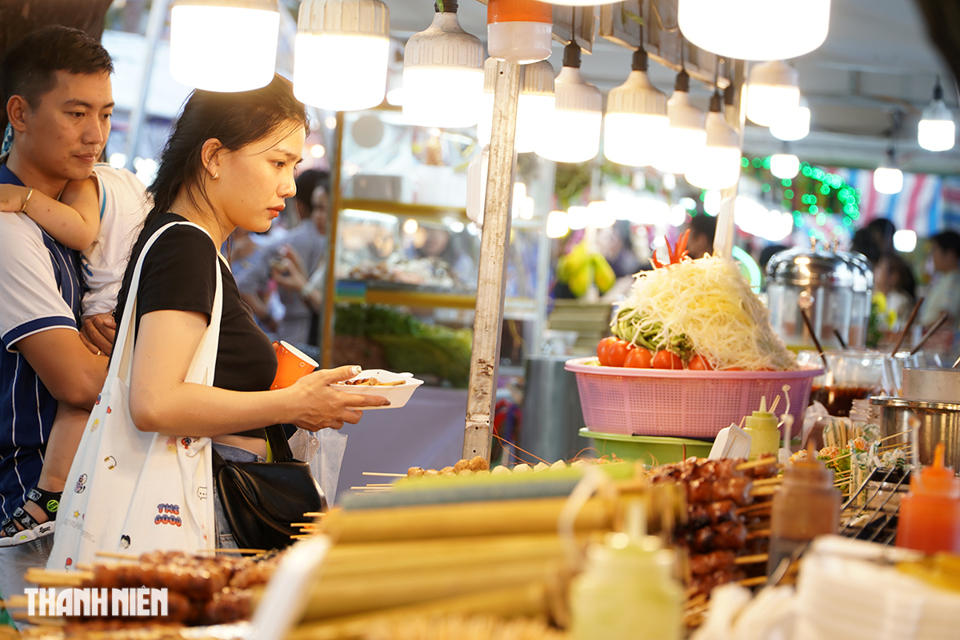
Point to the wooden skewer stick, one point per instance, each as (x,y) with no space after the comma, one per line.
(762,533)
(902,433)
(752,582)
(933,329)
(385,475)
(313,514)
(117,556)
(695,601)
(754,559)
(764,491)
(765,482)
(757,506)
(906,327)
(759,462)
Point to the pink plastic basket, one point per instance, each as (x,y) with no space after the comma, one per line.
(688,404)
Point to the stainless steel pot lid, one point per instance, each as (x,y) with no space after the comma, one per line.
(807,267)
(903,403)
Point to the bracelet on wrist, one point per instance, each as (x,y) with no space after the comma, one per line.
(26,200)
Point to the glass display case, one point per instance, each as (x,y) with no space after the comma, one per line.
(406,258)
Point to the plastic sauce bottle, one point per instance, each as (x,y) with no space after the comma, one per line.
(627,591)
(806,506)
(764,435)
(930,513)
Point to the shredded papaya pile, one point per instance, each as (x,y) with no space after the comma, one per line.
(702,306)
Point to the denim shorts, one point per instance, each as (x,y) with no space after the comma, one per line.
(234,454)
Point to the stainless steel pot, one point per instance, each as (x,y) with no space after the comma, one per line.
(933,422)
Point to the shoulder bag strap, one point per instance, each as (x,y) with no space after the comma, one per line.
(123,365)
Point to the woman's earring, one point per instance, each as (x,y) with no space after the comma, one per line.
(216,176)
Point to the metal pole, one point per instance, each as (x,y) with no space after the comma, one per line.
(493,249)
(724,239)
(330,284)
(155,24)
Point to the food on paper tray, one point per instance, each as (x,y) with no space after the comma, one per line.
(373,382)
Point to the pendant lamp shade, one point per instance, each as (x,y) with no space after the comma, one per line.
(785,166)
(572,129)
(224,45)
(340,54)
(443,74)
(772,91)
(792,125)
(686,135)
(717,166)
(537,100)
(937,130)
(636,122)
(519,31)
(755,29)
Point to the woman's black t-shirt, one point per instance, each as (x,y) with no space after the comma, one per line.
(179,274)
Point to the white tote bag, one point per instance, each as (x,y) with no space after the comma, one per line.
(131,491)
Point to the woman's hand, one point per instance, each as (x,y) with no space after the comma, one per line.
(319,406)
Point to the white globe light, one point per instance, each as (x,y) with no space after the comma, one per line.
(557,226)
(717,165)
(904,240)
(578,217)
(755,29)
(772,91)
(888,180)
(785,166)
(793,124)
(443,75)
(636,121)
(572,129)
(686,136)
(218,47)
(340,54)
(937,135)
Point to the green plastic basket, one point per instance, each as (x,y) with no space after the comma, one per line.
(651,450)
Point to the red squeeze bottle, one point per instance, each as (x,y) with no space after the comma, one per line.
(930,513)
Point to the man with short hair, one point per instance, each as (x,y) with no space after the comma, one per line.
(55,87)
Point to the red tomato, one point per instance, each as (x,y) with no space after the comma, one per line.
(639,358)
(667,360)
(618,353)
(699,363)
(603,349)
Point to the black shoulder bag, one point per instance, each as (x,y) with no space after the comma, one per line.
(262,500)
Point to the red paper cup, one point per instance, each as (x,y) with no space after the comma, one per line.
(292,364)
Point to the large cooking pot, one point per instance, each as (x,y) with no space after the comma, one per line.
(835,284)
(922,424)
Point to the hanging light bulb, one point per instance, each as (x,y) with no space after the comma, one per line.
(784,165)
(340,54)
(572,129)
(937,130)
(224,45)
(519,30)
(793,124)
(636,121)
(443,73)
(717,165)
(537,99)
(887,178)
(686,135)
(755,29)
(771,91)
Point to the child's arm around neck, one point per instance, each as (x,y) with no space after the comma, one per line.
(73,221)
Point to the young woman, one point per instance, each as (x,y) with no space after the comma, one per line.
(230,162)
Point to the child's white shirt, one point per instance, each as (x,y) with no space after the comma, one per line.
(124,204)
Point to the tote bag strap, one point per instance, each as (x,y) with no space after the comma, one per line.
(206,353)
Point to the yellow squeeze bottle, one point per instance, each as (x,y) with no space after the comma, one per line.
(764,434)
